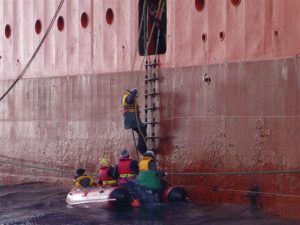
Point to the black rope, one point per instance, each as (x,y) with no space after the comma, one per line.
(40,167)
(161,6)
(169,173)
(214,188)
(137,154)
(30,166)
(236,173)
(255,192)
(221,189)
(140,29)
(36,51)
(158,33)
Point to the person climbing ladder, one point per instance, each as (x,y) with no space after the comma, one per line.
(132,118)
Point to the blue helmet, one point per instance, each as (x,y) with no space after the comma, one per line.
(149,153)
(133,91)
(124,153)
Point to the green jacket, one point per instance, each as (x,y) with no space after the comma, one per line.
(149,179)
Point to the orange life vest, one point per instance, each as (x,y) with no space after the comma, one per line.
(124,171)
(105,179)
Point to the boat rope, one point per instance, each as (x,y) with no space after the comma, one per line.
(236,173)
(145,53)
(266,193)
(137,154)
(159,13)
(157,42)
(8,161)
(138,124)
(35,166)
(132,67)
(213,188)
(36,50)
(139,33)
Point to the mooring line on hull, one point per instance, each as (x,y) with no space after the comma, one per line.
(30,166)
(259,192)
(217,189)
(36,50)
(232,116)
(235,173)
(213,188)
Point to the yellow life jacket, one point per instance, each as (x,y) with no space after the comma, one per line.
(129,107)
(77,181)
(144,163)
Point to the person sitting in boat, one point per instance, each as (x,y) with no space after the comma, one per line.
(126,171)
(106,176)
(82,180)
(132,118)
(127,168)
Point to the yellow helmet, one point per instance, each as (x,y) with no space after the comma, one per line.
(104,162)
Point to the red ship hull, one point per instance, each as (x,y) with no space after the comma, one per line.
(229,95)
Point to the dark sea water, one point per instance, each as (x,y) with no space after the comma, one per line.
(31,204)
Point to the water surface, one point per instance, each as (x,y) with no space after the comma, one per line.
(40,204)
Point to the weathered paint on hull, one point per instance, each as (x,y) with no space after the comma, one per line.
(65,113)
(236,123)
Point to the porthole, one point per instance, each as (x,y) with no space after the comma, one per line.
(84,20)
(222,35)
(7,31)
(109,16)
(204,37)
(38,27)
(235,2)
(60,23)
(199,4)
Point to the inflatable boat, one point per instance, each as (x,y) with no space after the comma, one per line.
(119,197)
(99,197)
(172,194)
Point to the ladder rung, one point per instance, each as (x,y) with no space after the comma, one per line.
(153,79)
(151,94)
(151,108)
(153,137)
(151,64)
(153,123)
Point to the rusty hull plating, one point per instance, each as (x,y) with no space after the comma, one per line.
(229,95)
